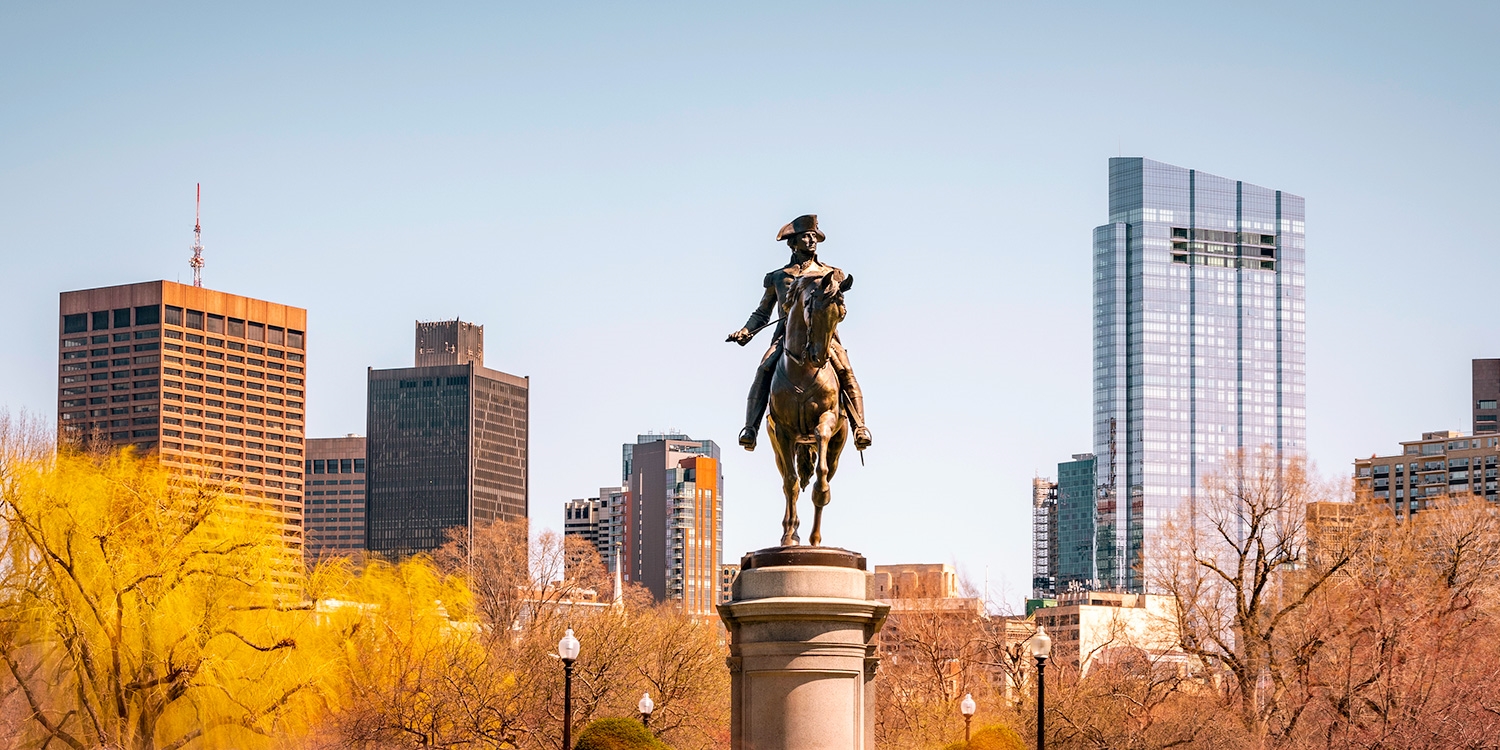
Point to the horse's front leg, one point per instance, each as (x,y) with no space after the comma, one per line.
(820,493)
(785,449)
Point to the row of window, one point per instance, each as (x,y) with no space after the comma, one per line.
(336,466)
(106,319)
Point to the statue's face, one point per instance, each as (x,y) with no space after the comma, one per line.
(806,242)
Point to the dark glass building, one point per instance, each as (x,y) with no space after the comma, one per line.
(1075,524)
(447,448)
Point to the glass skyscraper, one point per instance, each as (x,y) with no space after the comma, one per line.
(1199,345)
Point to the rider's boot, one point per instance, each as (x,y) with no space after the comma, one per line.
(755,407)
(856,407)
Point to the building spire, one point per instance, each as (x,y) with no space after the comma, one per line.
(197,260)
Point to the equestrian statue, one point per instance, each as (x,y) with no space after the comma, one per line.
(804,376)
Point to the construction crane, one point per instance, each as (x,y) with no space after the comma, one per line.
(197,260)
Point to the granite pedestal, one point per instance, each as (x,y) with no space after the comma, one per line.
(802,623)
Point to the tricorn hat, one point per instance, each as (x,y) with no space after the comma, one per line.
(804,223)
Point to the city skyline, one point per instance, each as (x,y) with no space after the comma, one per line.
(597,185)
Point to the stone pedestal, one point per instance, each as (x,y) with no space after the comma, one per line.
(802,623)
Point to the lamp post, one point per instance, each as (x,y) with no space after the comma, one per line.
(1041,648)
(567,650)
(646,706)
(967,708)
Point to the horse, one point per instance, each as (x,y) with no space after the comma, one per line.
(807,424)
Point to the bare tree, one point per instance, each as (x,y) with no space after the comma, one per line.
(1237,569)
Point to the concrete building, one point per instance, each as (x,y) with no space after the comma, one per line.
(599,521)
(1439,465)
(1486,395)
(916,581)
(1199,345)
(198,376)
(674,519)
(727,573)
(1091,627)
(335,492)
(447,444)
(581,519)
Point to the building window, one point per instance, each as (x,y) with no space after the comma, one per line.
(215,323)
(1487,404)
(257,332)
(75,323)
(101,320)
(195,319)
(174,316)
(122,318)
(294,339)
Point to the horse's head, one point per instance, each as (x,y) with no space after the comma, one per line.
(822,299)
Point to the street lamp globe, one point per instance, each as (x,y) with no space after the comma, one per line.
(968,707)
(646,705)
(1041,643)
(567,648)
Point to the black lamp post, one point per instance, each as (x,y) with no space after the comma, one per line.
(646,706)
(567,650)
(1041,648)
(967,707)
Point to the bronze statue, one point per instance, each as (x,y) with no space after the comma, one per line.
(804,375)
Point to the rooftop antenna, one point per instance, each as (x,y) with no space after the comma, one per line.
(197,260)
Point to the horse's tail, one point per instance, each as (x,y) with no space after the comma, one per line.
(805,456)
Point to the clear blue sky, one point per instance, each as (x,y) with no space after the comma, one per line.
(599,186)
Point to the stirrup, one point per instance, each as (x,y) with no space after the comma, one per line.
(748,436)
(861,438)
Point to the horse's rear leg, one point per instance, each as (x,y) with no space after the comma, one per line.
(789,522)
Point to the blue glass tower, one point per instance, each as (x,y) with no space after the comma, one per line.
(1199,345)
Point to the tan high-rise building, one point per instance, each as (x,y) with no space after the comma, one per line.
(199,376)
(1440,465)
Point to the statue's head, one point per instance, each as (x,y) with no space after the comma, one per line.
(802,235)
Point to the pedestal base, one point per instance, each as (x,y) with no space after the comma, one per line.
(802,623)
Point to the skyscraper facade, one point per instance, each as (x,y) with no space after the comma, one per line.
(335,492)
(1075,527)
(200,377)
(674,520)
(1199,345)
(1486,395)
(447,448)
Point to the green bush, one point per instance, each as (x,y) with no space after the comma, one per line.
(997,737)
(617,734)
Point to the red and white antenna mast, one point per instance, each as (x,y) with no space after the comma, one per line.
(197,261)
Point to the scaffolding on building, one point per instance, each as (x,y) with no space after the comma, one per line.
(1044,550)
